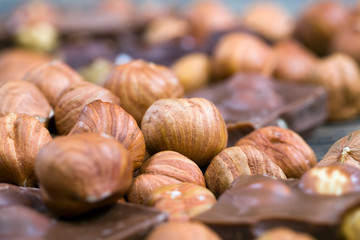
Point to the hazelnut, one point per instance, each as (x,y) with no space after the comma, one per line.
(106,118)
(15,63)
(240,52)
(183,231)
(318,24)
(124,9)
(96,71)
(164,168)
(41,36)
(294,62)
(350,227)
(339,74)
(81,172)
(343,151)
(331,180)
(72,102)
(193,127)
(138,84)
(181,201)
(32,12)
(232,162)
(209,16)
(53,79)
(347,39)
(164,28)
(280,27)
(192,70)
(19,222)
(34,25)
(284,234)
(284,147)
(21,138)
(24,98)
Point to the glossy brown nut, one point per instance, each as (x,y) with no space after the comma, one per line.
(164,168)
(139,84)
(81,172)
(331,180)
(181,201)
(21,138)
(106,118)
(183,231)
(72,102)
(193,127)
(24,98)
(53,79)
(232,162)
(284,147)
(240,52)
(294,62)
(339,74)
(345,150)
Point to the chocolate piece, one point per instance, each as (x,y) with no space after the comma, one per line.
(81,50)
(168,52)
(122,221)
(250,101)
(19,222)
(255,204)
(164,53)
(14,195)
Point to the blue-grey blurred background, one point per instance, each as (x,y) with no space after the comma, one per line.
(294,6)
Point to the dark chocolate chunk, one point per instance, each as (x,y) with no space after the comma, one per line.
(255,204)
(19,222)
(15,195)
(122,221)
(81,50)
(164,53)
(250,101)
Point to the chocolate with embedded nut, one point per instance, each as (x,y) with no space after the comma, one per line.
(255,204)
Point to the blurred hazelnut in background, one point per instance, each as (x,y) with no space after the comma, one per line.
(208,16)
(241,52)
(319,22)
(269,20)
(294,62)
(34,25)
(193,70)
(165,28)
(339,74)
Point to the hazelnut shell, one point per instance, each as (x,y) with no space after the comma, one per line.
(106,118)
(81,172)
(193,127)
